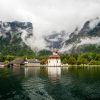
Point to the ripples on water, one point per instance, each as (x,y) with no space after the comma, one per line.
(50,83)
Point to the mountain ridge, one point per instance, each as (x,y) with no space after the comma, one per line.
(87,35)
(13,39)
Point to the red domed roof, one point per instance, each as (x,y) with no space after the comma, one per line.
(54,57)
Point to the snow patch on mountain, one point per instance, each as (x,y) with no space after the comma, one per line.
(94,22)
(66,48)
(92,40)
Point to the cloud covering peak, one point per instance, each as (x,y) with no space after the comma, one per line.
(50,15)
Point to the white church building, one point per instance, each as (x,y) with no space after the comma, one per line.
(54,59)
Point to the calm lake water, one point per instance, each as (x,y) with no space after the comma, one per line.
(51,83)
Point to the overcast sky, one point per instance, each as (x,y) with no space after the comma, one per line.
(49,15)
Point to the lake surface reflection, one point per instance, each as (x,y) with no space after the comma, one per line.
(50,83)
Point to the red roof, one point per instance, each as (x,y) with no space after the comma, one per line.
(54,57)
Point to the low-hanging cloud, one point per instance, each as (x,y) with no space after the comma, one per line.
(50,15)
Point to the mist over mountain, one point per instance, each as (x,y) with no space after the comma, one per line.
(12,39)
(48,16)
(87,36)
(19,36)
(68,25)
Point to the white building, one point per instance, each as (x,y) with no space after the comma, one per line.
(32,62)
(54,60)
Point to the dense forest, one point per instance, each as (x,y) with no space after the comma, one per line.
(71,59)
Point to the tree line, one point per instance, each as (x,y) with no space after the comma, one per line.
(71,59)
(83,58)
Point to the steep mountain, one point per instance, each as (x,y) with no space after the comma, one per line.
(79,40)
(12,38)
(56,40)
(15,38)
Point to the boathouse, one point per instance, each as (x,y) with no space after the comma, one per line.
(54,59)
(17,62)
(32,62)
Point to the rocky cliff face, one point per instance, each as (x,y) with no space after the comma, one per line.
(9,29)
(12,36)
(76,41)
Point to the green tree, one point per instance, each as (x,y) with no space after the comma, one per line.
(64,61)
(72,60)
(82,61)
(92,62)
(97,57)
(43,59)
